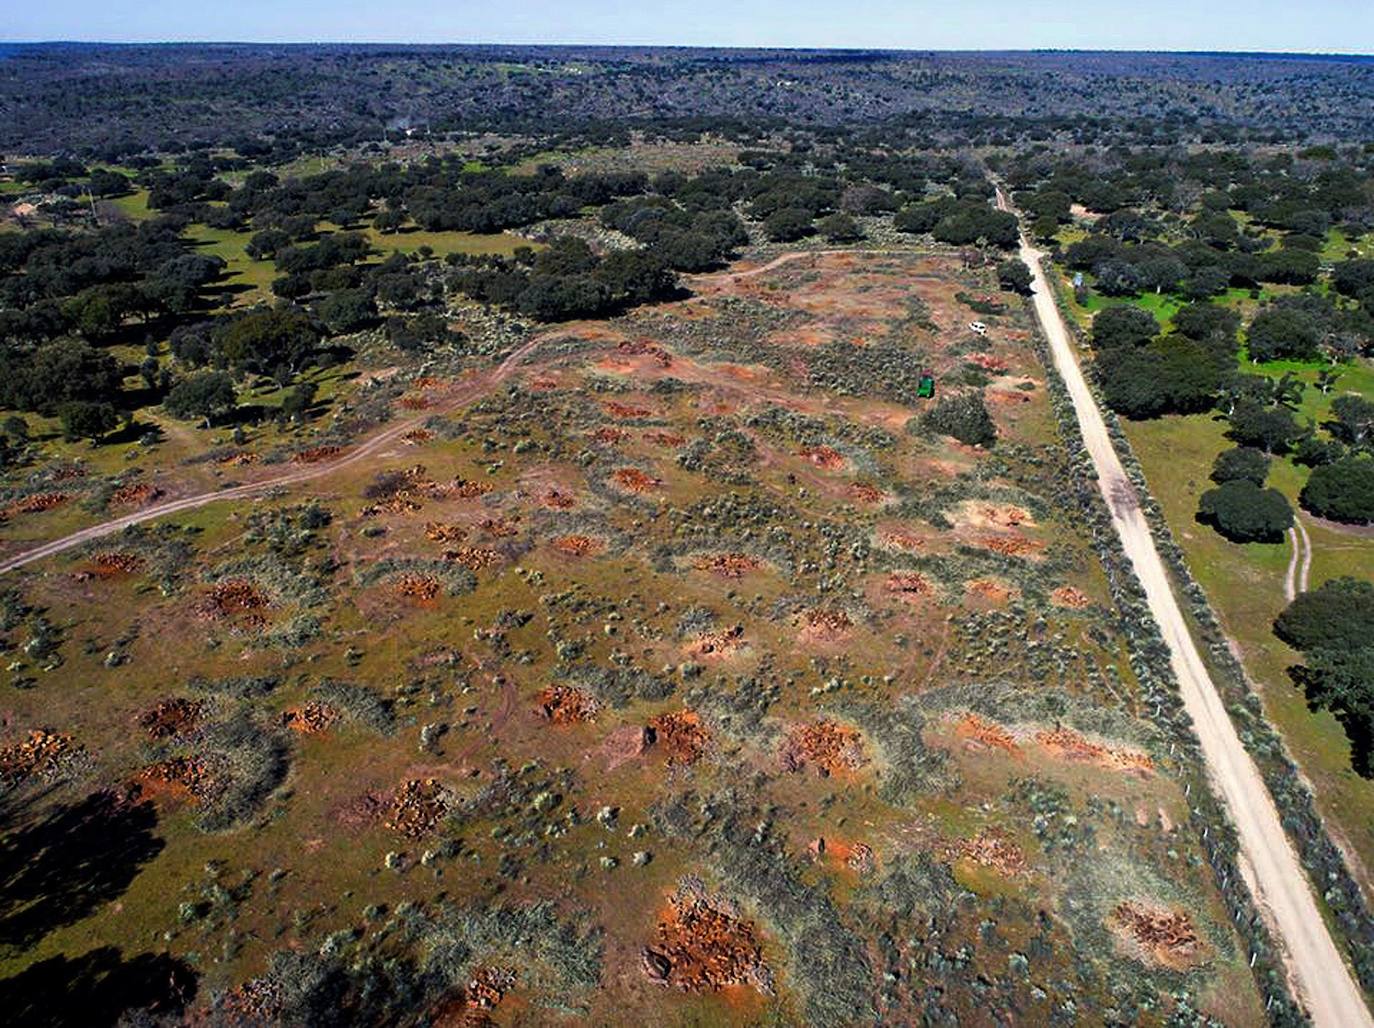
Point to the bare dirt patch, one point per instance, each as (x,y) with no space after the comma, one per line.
(826,745)
(866,493)
(1011,544)
(900,538)
(134,495)
(625,410)
(703,945)
(474,558)
(438,532)
(37,503)
(556,499)
(416,436)
(993,849)
(990,590)
(565,705)
(668,440)
(608,435)
(826,626)
(1157,934)
(115,563)
(718,645)
(908,585)
(977,514)
(416,587)
(178,778)
(852,856)
(317,454)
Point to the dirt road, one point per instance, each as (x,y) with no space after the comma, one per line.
(461,395)
(1320,977)
(1300,563)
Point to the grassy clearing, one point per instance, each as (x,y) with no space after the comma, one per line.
(445,243)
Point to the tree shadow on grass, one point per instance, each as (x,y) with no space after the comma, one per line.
(59,865)
(96,989)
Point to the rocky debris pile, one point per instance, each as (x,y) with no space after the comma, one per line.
(703,945)
(992,848)
(865,492)
(191,775)
(908,584)
(826,625)
(438,532)
(625,410)
(109,563)
(665,439)
(228,598)
(609,436)
(728,565)
(500,528)
(645,347)
(826,745)
(35,503)
(413,586)
(978,732)
(1068,745)
(681,735)
(634,480)
(317,454)
(577,545)
(41,756)
(825,457)
(134,495)
(258,1001)
(417,807)
(311,718)
(565,705)
(416,436)
(721,643)
(171,717)
(474,558)
(1168,936)
(1068,596)
(489,985)
(556,499)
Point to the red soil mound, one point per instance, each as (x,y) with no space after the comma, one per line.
(908,585)
(474,558)
(311,718)
(564,705)
(992,848)
(557,500)
(681,735)
(112,563)
(634,480)
(728,565)
(316,454)
(35,504)
(170,717)
(979,731)
(417,807)
(438,532)
(666,439)
(1167,936)
(416,436)
(865,493)
(1068,596)
(826,625)
(41,755)
(1068,745)
(625,410)
(720,644)
(703,946)
(825,745)
(230,597)
(180,776)
(824,457)
(134,495)
(577,545)
(412,586)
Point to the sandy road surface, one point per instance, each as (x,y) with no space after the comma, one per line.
(460,396)
(1300,563)
(1319,974)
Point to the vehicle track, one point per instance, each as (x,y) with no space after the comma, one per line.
(1320,978)
(460,396)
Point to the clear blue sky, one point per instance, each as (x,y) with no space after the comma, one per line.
(1345,26)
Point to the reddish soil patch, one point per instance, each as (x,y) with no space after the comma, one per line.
(635,480)
(625,743)
(462,489)
(824,457)
(564,705)
(42,755)
(412,586)
(555,499)
(826,625)
(488,987)
(865,493)
(316,454)
(1011,545)
(625,410)
(171,717)
(1165,936)
(577,545)
(979,733)
(908,585)
(113,563)
(474,558)
(311,718)
(998,515)
(666,439)
(438,532)
(417,807)
(362,811)
(728,565)
(827,746)
(1068,745)
(639,347)
(718,645)
(902,539)
(415,402)
(179,777)
(987,361)
(1068,596)
(134,495)
(256,1001)
(610,435)
(543,384)
(35,504)
(230,597)
(990,590)
(704,946)
(681,735)
(992,848)
(416,436)
(240,459)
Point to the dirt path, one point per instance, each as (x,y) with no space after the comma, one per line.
(796,255)
(1271,868)
(1299,562)
(463,394)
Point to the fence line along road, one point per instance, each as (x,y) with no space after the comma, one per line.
(1321,979)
